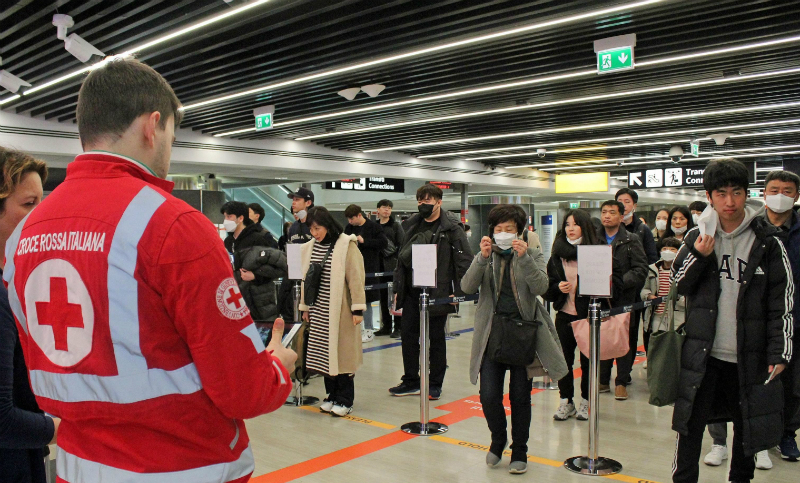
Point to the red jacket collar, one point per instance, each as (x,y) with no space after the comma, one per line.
(96,164)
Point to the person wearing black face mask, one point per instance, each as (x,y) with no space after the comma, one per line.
(453,257)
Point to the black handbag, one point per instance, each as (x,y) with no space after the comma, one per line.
(512,340)
(314,279)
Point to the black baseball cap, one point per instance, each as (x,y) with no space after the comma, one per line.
(301,192)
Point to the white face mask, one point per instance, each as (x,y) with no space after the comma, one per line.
(661,224)
(779,203)
(469,234)
(668,255)
(679,231)
(301,214)
(628,217)
(503,240)
(695,217)
(576,241)
(230,225)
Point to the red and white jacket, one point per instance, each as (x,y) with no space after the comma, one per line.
(135,333)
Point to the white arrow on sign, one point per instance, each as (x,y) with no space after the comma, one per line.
(623,58)
(635,179)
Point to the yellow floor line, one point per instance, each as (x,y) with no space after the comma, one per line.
(369,422)
(531,458)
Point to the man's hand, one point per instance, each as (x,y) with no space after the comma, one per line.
(287,357)
(360,239)
(305,316)
(565,287)
(486,246)
(454,303)
(704,245)
(394,304)
(520,247)
(357,319)
(778,369)
(56,423)
(247,276)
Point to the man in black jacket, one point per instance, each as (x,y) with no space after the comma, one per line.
(630,271)
(432,225)
(371,241)
(739,297)
(242,232)
(629,199)
(302,201)
(395,237)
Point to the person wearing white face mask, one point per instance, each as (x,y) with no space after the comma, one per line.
(680,222)
(697,208)
(781,193)
(657,285)
(562,270)
(662,218)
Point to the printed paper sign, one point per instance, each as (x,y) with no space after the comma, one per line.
(423,263)
(594,270)
(293,257)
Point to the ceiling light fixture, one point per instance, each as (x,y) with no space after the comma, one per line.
(428,50)
(373,90)
(630,137)
(576,100)
(573,150)
(350,93)
(630,122)
(782,153)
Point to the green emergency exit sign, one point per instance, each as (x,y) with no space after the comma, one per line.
(264,121)
(573,205)
(613,60)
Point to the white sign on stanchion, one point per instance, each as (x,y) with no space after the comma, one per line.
(594,280)
(295,273)
(423,266)
(294,260)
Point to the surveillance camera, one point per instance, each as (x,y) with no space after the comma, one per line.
(720,138)
(80,48)
(620,162)
(11,82)
(541,152)
(676,153)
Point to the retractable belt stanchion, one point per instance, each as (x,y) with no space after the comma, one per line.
(593,464)
(299,399)
(424,427)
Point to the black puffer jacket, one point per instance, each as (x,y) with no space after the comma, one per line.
(395,234)
(267,264)
(453,257)
(763,322)
(645,236)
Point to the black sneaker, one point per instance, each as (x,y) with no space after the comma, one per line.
(383,331)
(434,393)
(395,334)
(404,389)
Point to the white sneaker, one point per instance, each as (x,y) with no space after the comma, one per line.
(716,456)
(762,460)
(341,411)
(564,411)
(367,336)
(326,406)
(583,411)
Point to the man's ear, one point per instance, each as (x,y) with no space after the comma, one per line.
(150,125)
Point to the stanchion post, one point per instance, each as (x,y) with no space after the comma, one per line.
(424,427)
(593,464)
(299,399)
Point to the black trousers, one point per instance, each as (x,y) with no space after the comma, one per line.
(791,401)
(387,322)
(341,389)
(566,386)
(624,363)
(720,386)
(493,376)
(409,331)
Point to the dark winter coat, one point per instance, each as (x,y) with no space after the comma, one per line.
(374,243)
(763,323)
(299,232)
(555,273)
(453,257)
(629,268)
(646,237)
(253,235)
(397,237)
(267,264)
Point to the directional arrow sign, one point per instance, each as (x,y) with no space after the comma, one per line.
(635,179)
(612,60)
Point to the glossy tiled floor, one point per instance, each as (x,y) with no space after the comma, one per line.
(302,444)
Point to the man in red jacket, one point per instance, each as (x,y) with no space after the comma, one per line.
(131,322)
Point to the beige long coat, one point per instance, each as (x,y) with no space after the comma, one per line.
(347,295)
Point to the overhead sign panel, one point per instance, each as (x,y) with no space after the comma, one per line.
(264,121)
(614,60)
(676,177)
(380,184)
(582,182)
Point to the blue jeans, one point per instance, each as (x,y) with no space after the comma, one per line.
(493,376)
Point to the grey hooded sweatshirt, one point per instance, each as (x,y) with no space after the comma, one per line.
(733,252)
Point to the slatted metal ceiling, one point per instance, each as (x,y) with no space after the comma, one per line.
(286,39)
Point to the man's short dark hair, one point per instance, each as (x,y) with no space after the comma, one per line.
(237,208)
(503,213)
(428,190)
(784,176)
(698,206)
(466,227)
(669,241)
(352,210)
(258,210)
(383,203)
(114,95)
(627,191)
(616,203)
(724,173)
